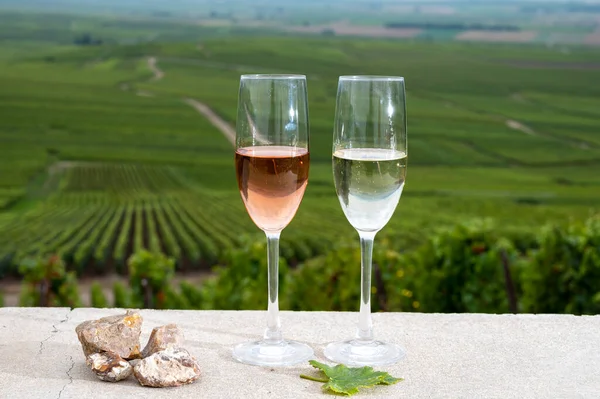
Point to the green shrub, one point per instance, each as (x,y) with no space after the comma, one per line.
(47,283)
(98,299)
(242,284)
(122,297)
(462,269)
(175,300)
(332,281)
(149,275)
(394,278)
(563,274)
(328,282)
(458,270)
(193,295)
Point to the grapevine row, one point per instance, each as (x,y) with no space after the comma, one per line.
(84,250)
(106,212)
(104,246)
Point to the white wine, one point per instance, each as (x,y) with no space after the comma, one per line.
(369,182)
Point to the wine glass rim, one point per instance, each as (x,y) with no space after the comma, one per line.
(273,76)
(373,78)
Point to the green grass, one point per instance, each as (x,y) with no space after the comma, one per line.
(78,109)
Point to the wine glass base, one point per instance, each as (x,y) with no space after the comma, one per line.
(355,352)
(264,353)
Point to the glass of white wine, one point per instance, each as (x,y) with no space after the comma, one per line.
(369,168)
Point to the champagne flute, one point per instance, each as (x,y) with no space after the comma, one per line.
(369,168)
(272,162)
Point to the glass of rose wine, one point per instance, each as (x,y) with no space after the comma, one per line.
(369,169)
(272,162)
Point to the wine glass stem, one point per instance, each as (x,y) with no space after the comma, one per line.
(273,331)
(365,323)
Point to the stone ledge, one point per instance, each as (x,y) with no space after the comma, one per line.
(448,356)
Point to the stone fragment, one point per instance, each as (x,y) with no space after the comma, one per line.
(119,334)
(168,368)
(163,337)
(109,366)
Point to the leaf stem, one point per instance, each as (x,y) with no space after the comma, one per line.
(309,377)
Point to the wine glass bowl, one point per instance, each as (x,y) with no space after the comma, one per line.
(272,162)
(369,183)
(272,181)
(369,169)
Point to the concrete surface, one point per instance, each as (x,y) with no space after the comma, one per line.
(449,356)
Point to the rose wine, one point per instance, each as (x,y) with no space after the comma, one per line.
(272,181)
(369,182)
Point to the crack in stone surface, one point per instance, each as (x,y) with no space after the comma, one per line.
(68,375)
(54,331)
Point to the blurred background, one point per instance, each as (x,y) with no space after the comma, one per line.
(117,185)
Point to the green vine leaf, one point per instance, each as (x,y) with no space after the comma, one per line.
(345,380)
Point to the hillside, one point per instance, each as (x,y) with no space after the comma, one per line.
(102,151)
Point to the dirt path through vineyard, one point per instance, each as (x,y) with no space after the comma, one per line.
(158,73)
(224,127)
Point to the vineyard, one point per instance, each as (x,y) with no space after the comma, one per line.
(102,157)
(103,213)
(468,267)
